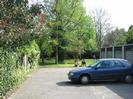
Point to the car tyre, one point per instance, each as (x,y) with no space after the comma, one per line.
(84,79)
(128,79)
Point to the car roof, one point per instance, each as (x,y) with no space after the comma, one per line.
(112,59)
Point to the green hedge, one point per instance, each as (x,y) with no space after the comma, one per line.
(12,72)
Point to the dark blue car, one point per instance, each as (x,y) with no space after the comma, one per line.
(104,70)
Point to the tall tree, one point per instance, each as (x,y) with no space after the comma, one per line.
(102,25)
(65,23)
(82,37)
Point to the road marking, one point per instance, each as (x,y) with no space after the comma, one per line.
(103,92)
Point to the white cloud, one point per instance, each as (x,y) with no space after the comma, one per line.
(119,10)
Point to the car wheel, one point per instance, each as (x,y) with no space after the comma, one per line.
(84,79)
(128,79)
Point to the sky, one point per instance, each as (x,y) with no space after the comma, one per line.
(119,11)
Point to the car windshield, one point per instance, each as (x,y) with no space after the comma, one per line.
(94,64)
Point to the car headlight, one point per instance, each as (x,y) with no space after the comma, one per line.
(71,74)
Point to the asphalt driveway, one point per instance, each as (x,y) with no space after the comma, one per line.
(52,83)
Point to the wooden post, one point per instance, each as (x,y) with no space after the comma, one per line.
(25,61)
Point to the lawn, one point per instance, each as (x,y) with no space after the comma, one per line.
(67,63)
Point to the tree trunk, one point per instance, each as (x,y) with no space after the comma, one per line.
(57,56)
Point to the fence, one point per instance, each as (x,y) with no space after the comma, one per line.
(125,52)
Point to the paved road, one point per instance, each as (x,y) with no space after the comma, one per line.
(52,83)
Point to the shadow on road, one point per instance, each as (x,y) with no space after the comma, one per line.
(101,83)
(122,89)
(68,83)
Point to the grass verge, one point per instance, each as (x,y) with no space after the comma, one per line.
(68,63)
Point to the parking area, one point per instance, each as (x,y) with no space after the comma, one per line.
(52,83)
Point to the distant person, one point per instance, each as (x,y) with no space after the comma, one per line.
(75,63)
(78,63)
(94,56)
(83,63)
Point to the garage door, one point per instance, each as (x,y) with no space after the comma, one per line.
(129,55)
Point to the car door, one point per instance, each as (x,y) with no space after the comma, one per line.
(102,71)
(118,70)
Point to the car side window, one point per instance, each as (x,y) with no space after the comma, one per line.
(112,64)
(118,64)
(103,64)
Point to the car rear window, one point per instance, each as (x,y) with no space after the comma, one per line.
(126,63)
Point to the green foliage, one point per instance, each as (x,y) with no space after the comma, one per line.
(46,43)
(120,37)
(16,23)
(12,72)
(115,38)
(18,32)
(130,35)
(7,66)
(32,51)
(35,9)
(49,63)
(69,28)
(82,38)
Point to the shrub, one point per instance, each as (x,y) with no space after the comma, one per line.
(12,72)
